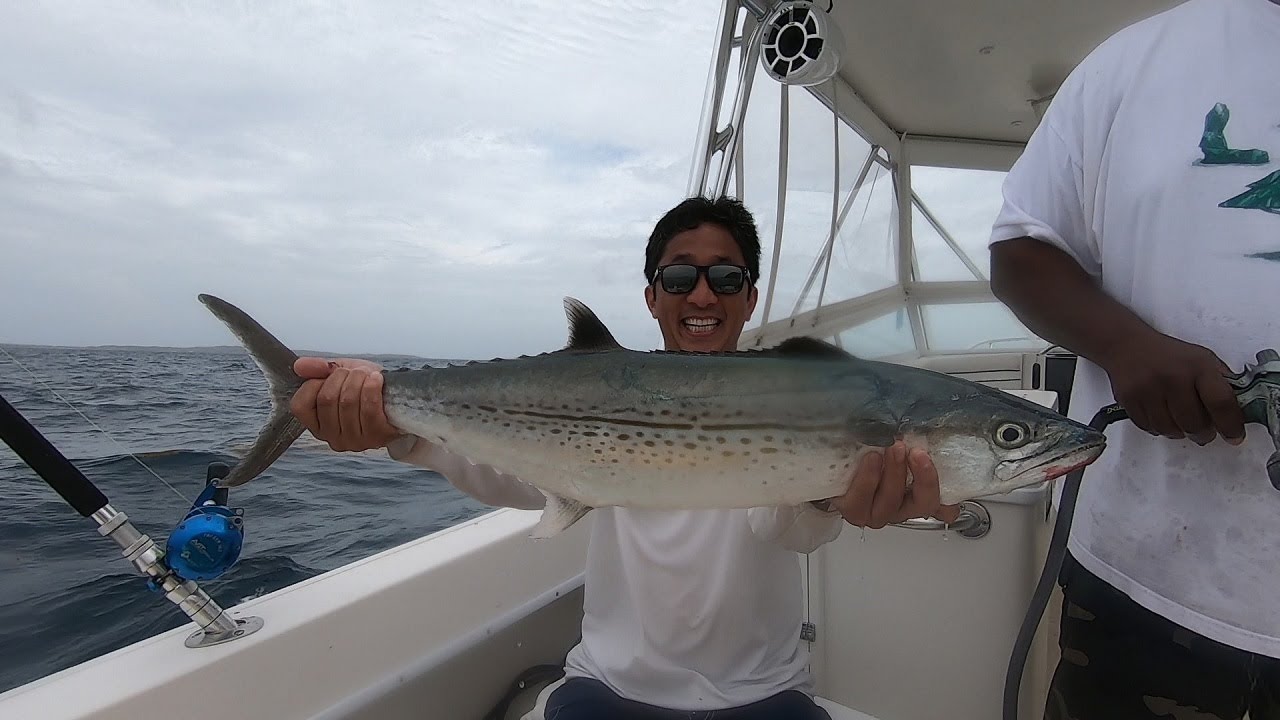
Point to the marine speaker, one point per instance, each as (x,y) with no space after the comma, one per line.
(801,44)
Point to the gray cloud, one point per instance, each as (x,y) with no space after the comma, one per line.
(399,177)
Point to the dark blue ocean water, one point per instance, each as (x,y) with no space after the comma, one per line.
(67,595)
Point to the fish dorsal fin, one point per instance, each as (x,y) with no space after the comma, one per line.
(810,347)
(586,332)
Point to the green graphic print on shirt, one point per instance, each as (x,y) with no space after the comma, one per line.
(1261,195)
(1213,142)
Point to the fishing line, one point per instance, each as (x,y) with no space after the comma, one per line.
(86,418)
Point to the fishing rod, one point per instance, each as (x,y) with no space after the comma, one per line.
(204,545)
(1257,389)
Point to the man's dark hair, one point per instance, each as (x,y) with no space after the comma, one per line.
(726,212)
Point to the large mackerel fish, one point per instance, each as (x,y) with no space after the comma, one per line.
(596,424)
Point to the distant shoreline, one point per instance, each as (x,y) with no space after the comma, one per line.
(226,350)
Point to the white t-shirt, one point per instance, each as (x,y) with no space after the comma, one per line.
(1115,176)
(691,610)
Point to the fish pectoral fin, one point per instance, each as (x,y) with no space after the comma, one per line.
(558,514)
(586,332)
(874,433)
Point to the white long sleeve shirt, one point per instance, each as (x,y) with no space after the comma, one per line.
(689,610)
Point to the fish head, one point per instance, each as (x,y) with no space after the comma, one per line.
(989,445)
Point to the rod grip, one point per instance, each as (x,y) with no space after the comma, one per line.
(51,465)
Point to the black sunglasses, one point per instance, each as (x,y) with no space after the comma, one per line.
(723,278)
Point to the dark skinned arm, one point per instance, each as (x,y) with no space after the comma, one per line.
(1168,387)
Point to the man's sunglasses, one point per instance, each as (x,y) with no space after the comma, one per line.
(724,279)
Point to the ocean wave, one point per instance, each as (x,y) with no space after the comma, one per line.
(67,595)
(157,459)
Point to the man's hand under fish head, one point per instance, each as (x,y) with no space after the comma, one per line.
(879,495)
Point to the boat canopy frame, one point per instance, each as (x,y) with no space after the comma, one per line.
(979,138)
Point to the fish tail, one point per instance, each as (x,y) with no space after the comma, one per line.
(276,363)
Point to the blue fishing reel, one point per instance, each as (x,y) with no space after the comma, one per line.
(208,540)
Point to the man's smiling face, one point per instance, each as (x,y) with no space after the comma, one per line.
(701,320)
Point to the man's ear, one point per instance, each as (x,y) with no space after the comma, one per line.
(751,301)
(651,299)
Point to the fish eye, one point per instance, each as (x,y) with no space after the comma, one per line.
(1011,435)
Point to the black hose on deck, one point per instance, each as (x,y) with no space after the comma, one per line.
(1049,575)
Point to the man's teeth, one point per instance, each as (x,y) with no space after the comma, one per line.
(701,325)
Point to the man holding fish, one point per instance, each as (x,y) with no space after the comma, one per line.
(676,616)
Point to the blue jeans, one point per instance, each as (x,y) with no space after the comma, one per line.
(587,699)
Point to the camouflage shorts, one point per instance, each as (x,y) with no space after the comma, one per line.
(1120,660)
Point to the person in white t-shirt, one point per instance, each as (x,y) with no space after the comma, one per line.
(696,612)
(1141,230)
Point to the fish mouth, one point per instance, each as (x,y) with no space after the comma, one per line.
(1059,464)
(1071,461)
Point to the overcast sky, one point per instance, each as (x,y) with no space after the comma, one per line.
(409,177)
